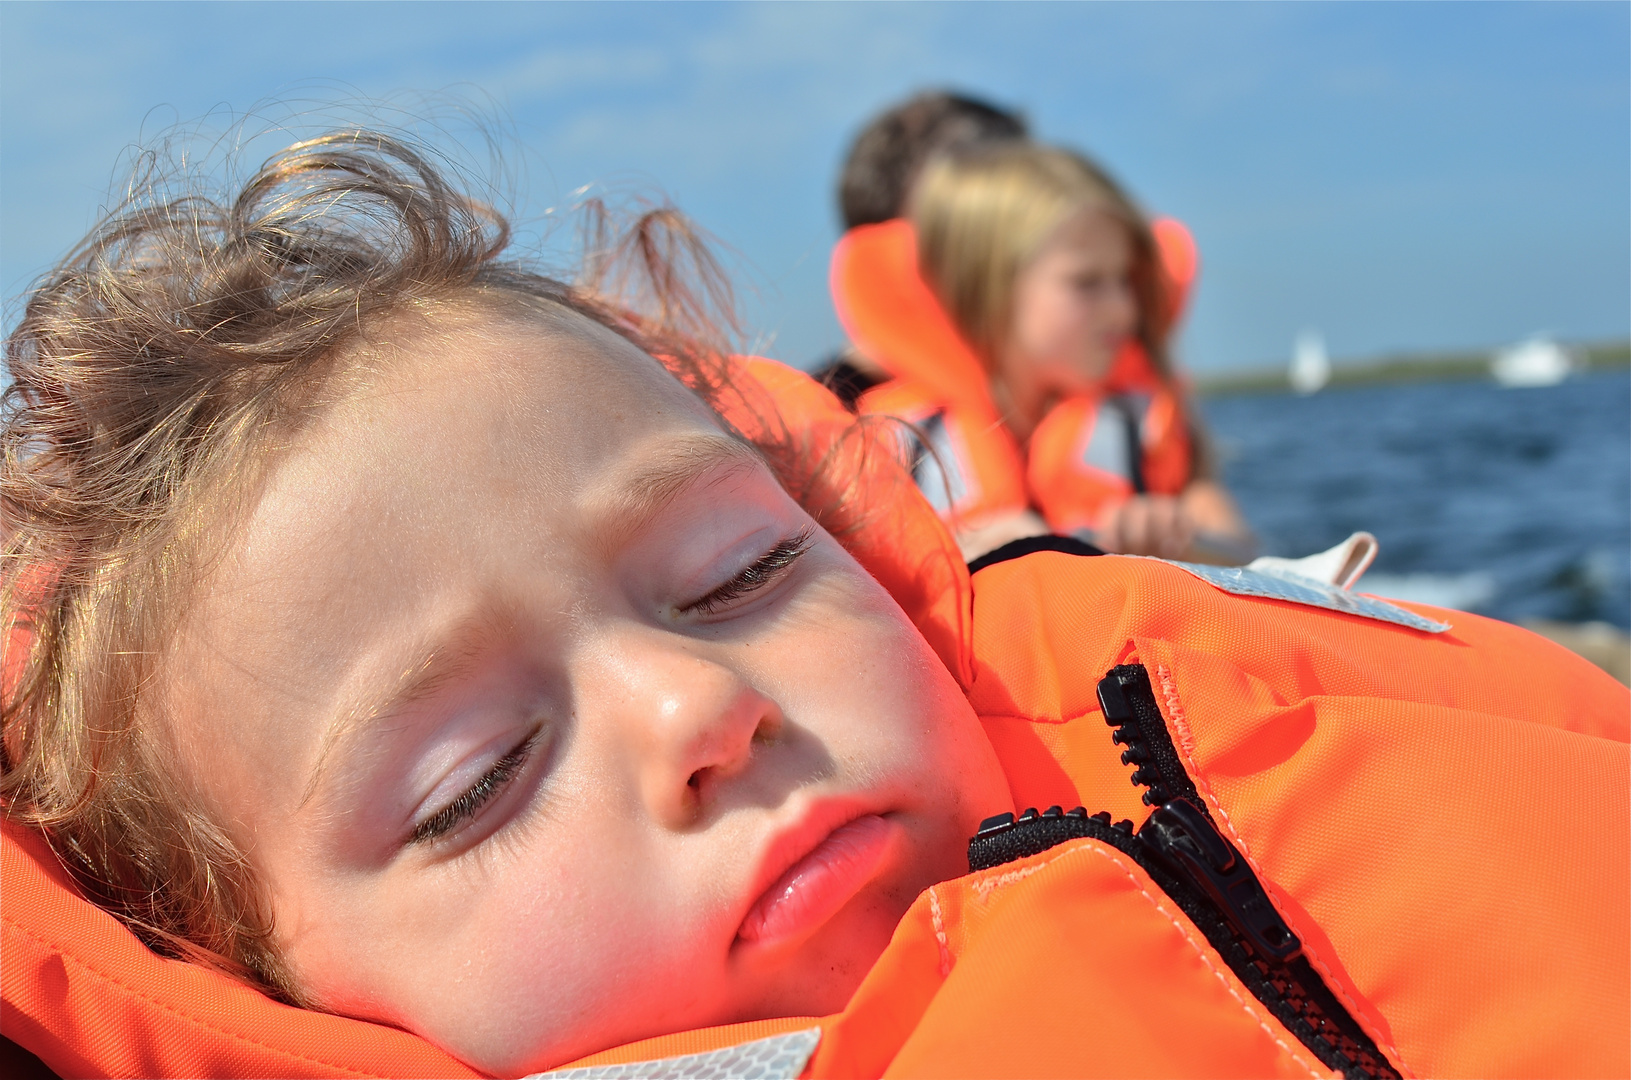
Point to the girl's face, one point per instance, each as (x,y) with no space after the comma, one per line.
(1073,309)
(551,722)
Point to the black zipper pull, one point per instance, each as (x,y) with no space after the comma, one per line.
(1183,838)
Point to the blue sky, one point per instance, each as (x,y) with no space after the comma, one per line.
(1402,177)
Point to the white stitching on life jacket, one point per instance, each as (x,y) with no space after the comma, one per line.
(1201,948)
(1186,752)
(1175,713)
(946,961)
(985,885)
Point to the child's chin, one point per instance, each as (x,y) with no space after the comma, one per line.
(822,975)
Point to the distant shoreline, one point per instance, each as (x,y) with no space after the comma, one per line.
(1406,368)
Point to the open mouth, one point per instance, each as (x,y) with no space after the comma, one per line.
(823,880)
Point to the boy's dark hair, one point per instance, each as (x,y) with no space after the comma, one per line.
(885,157)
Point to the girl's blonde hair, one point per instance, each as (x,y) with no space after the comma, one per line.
(983,213)
(175,347)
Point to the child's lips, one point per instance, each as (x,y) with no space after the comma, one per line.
(821,882)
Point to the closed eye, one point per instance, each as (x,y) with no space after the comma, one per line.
(766,569)
(482,792)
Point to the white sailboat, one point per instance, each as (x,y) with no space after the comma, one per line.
(1310,366)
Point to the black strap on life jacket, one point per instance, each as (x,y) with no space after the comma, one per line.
(1013,549)
(1133,428)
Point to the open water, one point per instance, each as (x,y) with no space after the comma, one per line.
(1512,502)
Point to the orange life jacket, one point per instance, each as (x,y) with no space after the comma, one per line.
(1358,842)
(1089,454)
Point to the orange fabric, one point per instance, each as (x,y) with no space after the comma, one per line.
(1070,494)
(1180,261)
(1168,457)
(894,318)
(995,975)
(986,457)
(87,998)
(1443,819)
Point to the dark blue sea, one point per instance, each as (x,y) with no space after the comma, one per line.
(1512,502)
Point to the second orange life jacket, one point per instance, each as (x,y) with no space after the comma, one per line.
(1088,455)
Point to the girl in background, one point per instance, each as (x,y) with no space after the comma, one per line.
(1024,310)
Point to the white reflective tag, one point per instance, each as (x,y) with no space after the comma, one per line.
(780,1057)
(1242,581)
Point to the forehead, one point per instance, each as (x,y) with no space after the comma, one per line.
(465,460)
(527,409)
(451,438)
(1090,229)
(542,363)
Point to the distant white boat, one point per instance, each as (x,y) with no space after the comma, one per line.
(1536,362)
(1310,366)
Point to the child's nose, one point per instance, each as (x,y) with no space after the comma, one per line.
(702,723)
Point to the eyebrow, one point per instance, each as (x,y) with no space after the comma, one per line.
(635,496)
(450,655)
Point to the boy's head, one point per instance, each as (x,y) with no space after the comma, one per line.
(887,155)
(446,661)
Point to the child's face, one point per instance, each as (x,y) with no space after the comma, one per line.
(552,722)
(1073,309)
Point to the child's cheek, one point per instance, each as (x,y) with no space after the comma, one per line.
(505,955)
(865,668)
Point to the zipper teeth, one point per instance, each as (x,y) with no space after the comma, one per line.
(1282,988)
(1291,990)
(1145,735)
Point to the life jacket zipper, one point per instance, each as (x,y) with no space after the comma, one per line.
(1184,853)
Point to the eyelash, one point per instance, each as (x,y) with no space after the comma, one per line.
(763,571)
(482,792)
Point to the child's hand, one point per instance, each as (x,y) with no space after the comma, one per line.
(1147,525)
